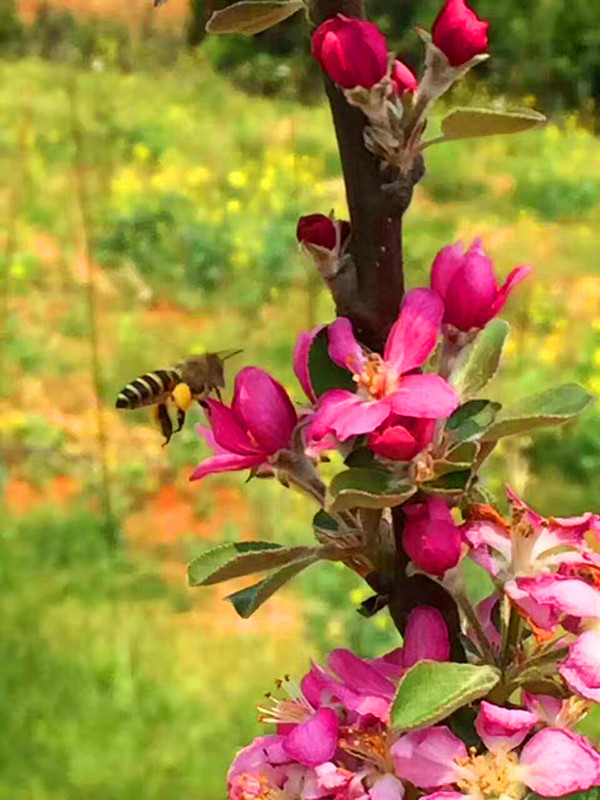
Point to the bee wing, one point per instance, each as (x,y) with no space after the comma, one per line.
(225,354)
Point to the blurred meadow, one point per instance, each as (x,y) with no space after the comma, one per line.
(148,213)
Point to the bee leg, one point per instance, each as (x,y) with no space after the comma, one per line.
(180,420)
(163,419)
(218,393)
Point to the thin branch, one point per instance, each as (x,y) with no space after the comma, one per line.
(85,225)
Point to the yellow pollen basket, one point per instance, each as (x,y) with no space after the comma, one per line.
(182,396)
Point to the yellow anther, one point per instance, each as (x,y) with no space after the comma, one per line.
(182,396)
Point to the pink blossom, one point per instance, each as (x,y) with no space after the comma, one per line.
(425,638)
(384,385)
(260,768)
(430,537)
(403,79)
(547,598)
(304,342)
(553,763)
(259,423)
(468,287)
(485,612)
(351,51)
(314,741)
(459,33)
(401,438)
(322,231)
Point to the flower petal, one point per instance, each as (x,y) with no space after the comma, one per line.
(557,762)
(359,675)
(343,348)
(472,291)
(387,788)
(426,637)
(265,407)
(428,758)
(546,708)
(424,396)
(347,415)
(415,332)
(395,442)
(315,741)
(227,429)
(562,594)
(516,276)
(301,353)
(503,728)
(225,462)
(581,668)
(445,266)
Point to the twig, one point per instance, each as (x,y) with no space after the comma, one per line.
(83,211)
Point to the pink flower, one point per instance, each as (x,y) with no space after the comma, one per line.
(259,423)
(304,342)
(553,763)
(351,51)
(260,768)
(403,79)
(430,537)
(459,33)
(317,229)
(401,438)
(468,287)
(425,638)
(384,386)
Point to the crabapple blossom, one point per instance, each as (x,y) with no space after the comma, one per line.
(351,51)
(459,33)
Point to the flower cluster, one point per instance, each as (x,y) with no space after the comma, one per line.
(335,739)
(355,55)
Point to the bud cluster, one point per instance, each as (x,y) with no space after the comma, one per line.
(355,55)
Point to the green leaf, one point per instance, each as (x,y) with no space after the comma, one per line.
(241,558)
(471,420)
(248,600)
(450,483)
(431,691)
(362,457)
(252,16)
(367,488)
(477,363)
(463,454)
(325,527)
(552,407)
(324,373)
(467,123)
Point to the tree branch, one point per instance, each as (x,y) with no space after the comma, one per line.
(370,289)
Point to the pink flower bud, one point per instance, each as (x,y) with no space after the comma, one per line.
(430,537)
(403,79)
(459,33)
(401,438)
(468,287)
(326,232)
(351,51)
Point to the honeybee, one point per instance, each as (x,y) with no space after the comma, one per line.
(192,379)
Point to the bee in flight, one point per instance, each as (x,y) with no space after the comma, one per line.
(190,380)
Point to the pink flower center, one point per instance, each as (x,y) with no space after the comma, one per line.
(375,379)
(373,746)
(248,786)
(491,775)
(292,709)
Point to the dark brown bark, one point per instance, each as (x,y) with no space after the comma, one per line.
(369,291)
(371,294)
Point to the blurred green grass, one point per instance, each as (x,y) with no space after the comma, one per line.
(117,681)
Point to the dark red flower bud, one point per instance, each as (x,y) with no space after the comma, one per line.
(351,51)
(403,79)
(317,229)
(459,33)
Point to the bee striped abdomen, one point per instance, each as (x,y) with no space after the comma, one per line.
(148,389)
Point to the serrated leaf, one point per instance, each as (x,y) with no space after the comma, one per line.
(237,559)
(324,373)
(251,16)
(248,600)
(471,420)
(450,483)
(552,407)
(367,488)
(477,363)
(468,123)
(431,691)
